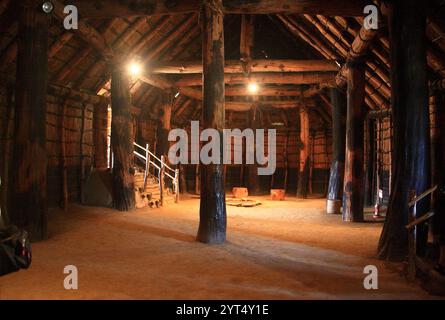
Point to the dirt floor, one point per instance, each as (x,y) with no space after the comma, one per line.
(279,250)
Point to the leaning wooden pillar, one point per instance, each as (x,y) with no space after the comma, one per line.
(122,139)
(353,185)
(335,187)
(213,221)
(28,205)
(410,114)
(305,154)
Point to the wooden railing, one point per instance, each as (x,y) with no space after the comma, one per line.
(160,170)
(413,222)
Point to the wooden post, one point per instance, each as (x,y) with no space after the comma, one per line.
(247,41)
(286,161)
(438,170)
(353,185)
(122,139)
(371,163)
(335,188)
(212,224)
(409,100)
(162,181)
(6,154)
(176,185)
(253,179)
(100,136)
(63,166)
(165,125)
(411,271)
(147,164)
(197,188)
(183,179)
(305,154)
(28,205)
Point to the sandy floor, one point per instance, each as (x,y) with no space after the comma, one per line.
(280,250)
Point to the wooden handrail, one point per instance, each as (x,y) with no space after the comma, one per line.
(423,195)
(418,221)
(154,156)
(161,170)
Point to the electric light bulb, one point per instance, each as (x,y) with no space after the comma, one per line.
(134,69)
(253,88)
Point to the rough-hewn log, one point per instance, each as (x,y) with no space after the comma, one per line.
(359,48)
(253,179)
(129,8)
(234,66)
(122,139)
(213,221)
(335,187)
(265,78)
(305,154)
(28,205)
(411,156)
(438,170)
(371,161)
(247,40)
(353,185)
(59,44)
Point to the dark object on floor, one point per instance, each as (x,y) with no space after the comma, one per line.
(15,250)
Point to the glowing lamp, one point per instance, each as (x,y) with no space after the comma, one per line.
(134,69)
(253,88)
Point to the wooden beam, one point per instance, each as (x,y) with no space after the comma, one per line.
(128,8)
(359,48)
(247,39)
(213,220)
(305,154)
(410,116)
(86,32)
(276,91)
(335,187)
(28,203)
(263,78)
(122,139)
(353,186)
(234,66)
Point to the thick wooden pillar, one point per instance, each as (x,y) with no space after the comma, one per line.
(371,162)
(122,139)
(164,126)
(335,187)
(28,205)
(438,170)
(305,154)
(212,224)
(253,179)
(353,185)
(100,136)
(411,155)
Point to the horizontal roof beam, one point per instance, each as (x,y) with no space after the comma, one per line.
(236,66)
(131,8)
